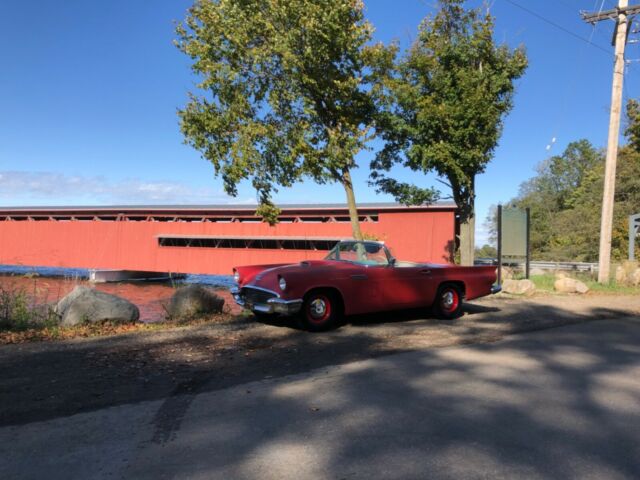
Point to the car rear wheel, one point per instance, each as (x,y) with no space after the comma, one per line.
(448,304)
(321,311)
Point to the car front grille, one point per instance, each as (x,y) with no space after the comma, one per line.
(254,296)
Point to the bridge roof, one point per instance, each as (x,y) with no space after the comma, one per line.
(219,208)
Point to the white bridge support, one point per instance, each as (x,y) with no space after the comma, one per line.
(104,276)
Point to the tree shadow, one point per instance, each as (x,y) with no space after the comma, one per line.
(41,381)
(529,407)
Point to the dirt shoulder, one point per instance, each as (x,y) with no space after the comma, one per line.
(46,380)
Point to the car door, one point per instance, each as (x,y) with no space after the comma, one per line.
(359,285)
(397,287)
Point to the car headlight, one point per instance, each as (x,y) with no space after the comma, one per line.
(236,276)
(282,283)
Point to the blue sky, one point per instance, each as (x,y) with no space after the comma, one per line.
(89,93)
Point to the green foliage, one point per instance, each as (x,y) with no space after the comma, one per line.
(286,90)
(445,105)
(565,199)
(556,203)
(17,313)
(633,128)
(486,251)
(546,283)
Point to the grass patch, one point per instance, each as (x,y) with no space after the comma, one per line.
(19,313)
(545,283)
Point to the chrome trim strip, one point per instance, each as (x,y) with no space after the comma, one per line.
(261,289)
(273,305)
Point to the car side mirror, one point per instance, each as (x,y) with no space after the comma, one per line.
(392,262)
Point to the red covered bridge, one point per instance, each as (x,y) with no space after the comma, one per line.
(211,239)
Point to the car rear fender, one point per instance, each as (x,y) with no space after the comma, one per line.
(478,280)
(458,283)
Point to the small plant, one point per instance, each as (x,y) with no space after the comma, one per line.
(18,312)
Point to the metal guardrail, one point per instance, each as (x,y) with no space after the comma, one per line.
(569,266)
(575,266)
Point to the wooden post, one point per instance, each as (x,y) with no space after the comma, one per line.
(620,14)
(528,243)
(499,244)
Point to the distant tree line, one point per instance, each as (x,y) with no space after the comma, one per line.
(565,199)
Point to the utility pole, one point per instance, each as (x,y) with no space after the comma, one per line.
(620,15)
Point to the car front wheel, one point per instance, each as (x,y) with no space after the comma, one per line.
(448,304)
(320,312)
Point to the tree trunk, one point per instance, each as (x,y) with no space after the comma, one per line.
(351,203)
(467,240)
(465,198)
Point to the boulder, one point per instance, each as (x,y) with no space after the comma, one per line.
(519,287)
(507,272)
(626,273)
(581,287)
(560,274)
(194,300)
(85,304)
(570,285)
(537,271)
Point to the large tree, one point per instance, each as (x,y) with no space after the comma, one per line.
(445,108)
(552,194)
(285,92)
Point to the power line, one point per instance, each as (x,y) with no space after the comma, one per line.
(559,27)
(595,25)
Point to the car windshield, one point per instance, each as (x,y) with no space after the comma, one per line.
(364,253)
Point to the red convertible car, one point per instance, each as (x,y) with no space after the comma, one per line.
(358,277)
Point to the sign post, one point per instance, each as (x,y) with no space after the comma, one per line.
(513,237)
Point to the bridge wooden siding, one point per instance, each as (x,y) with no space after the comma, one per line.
(128,238)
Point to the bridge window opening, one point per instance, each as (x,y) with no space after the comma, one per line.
(249,243)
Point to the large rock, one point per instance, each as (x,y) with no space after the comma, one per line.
(519,287)
(88,305)
(537,271)
(507,272)
(626,273)
(194,300)
(570,285)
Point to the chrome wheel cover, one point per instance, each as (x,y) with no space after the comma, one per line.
(448,299)
(317,308)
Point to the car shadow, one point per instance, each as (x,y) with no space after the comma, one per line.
(378,318)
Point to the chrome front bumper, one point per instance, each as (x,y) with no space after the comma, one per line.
(272,305)
(495,288)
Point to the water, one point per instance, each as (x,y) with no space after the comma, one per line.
(49,285)
(83,274)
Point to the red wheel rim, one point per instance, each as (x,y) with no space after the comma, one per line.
(449,300)
(318,309)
